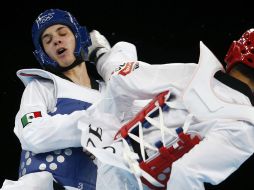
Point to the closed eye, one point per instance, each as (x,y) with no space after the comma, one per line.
(46,39)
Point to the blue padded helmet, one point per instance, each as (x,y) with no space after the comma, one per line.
(57,16)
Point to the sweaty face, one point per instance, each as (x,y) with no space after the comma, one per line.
(59,43)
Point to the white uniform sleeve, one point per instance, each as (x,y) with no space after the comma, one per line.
(146,81)
(142,82)
(119,54)
(45,133)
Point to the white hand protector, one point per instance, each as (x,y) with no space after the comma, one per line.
(100,45)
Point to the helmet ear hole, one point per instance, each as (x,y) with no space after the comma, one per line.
(243,51)
(250,60)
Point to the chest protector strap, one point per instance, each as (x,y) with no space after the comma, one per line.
(158,165)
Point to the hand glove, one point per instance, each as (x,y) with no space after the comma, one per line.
(100,45)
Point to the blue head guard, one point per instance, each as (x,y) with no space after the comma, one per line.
(56,16)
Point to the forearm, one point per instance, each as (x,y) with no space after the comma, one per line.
(51,133)
(120,53)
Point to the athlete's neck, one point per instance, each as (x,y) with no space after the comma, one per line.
(245,79)
(79,75)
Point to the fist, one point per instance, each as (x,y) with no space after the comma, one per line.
(100,45)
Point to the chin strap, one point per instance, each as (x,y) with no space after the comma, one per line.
(78,61)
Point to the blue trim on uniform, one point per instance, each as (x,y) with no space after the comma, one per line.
(71,166)
(68,105)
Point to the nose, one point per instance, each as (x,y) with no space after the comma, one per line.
(57,42)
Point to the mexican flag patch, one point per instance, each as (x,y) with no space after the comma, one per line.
(29,117)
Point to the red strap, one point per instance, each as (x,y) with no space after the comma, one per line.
(160,167)
(140,117)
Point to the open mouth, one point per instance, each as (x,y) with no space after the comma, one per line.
(60,51)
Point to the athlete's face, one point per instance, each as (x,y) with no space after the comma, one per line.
(59,43)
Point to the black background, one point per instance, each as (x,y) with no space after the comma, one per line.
(163,31)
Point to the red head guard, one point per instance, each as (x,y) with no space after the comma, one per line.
(241,51)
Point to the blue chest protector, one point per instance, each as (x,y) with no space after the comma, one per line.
(69,167)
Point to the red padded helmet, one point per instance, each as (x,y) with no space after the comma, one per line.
(241,51)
